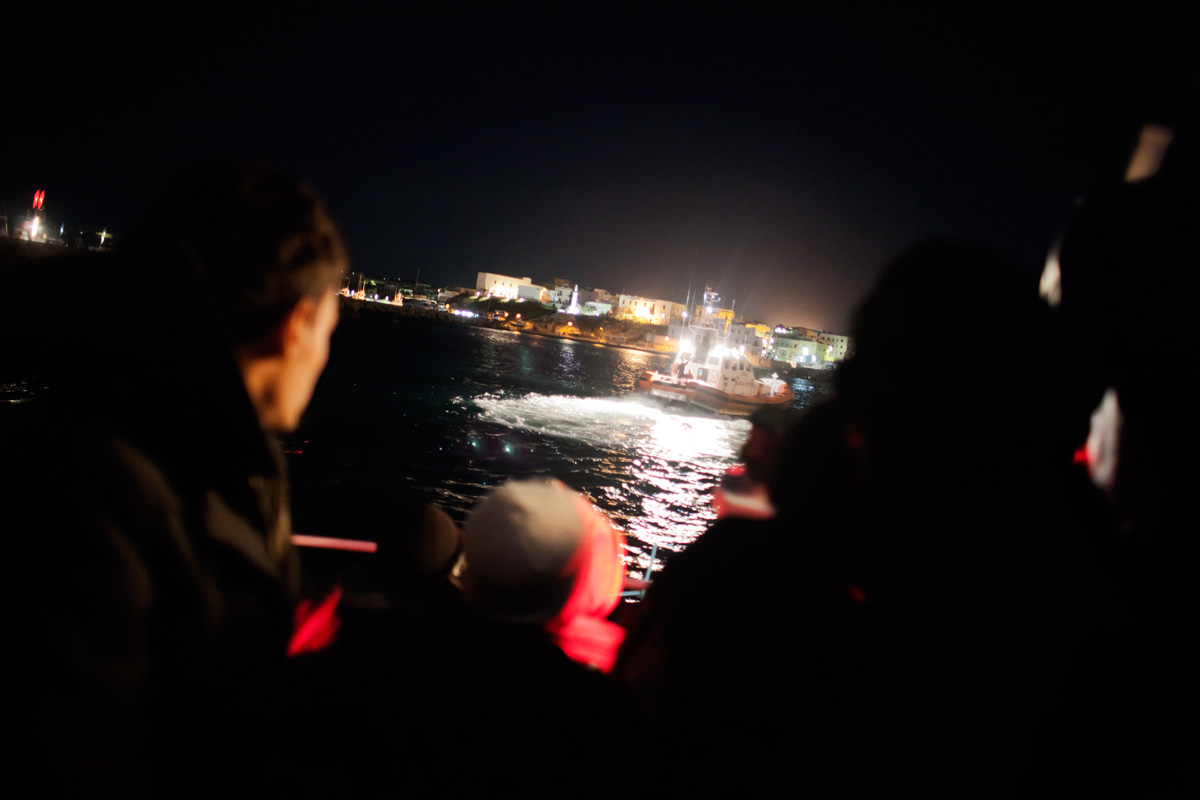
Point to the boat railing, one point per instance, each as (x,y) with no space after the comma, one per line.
(639,585)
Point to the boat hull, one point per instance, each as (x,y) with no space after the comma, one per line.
(708,397)
(736,405)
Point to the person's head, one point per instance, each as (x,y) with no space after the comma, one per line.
(535,551)
(263,255)
(821,443)
(281,369)
(760,452)
(946,391)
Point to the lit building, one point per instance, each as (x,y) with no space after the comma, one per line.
(500,285)
(643,309)
(721,317)
(560,298)
(538,294)
(839,346)
(799,352)
(748,337)
(596,309)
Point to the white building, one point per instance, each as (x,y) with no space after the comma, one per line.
(799,352)
(747,337)
(644,309)
(538,294)
(595,309)
(560,297)
(500,285)
(839,346)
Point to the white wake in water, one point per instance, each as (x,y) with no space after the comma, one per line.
(626,422)
(661,490)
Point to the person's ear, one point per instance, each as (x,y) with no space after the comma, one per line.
(296,325)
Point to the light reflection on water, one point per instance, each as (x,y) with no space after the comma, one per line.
(655,468)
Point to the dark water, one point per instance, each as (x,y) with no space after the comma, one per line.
(444,411)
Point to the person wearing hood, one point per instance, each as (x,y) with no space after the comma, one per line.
(538,554)
(532,705)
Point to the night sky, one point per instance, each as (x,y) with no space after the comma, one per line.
(781,158)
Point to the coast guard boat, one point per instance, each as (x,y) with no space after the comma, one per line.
(710,374)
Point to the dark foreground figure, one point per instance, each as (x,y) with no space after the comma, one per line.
(145,494)
(1127,260)
(933,591)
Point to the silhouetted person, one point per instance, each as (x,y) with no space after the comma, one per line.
(910,617)
(989,592)
(150,492)
(743,489)
(378,693)
(542,569)
(748,650)
(1127,258)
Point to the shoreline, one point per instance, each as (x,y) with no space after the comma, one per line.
(354,307)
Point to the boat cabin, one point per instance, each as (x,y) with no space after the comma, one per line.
(730,373)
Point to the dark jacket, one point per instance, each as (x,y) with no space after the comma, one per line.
(148,529)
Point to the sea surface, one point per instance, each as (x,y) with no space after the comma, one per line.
(444,411)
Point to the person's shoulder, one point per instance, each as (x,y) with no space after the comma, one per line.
(719,549)
(133,474)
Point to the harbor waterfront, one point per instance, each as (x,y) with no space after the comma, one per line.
(426,408)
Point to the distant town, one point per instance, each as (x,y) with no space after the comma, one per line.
(563,308)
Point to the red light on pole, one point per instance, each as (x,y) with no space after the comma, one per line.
(39,197)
